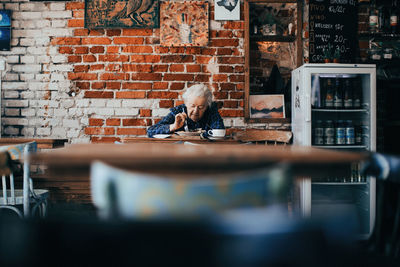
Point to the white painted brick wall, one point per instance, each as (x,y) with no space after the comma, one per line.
(12,112)
(161,112)
(26,76)
(10,94)
(10,77)
(43,131)
(16,103)
(14,85)
(10,130)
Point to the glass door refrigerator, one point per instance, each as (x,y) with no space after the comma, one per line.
(334,107)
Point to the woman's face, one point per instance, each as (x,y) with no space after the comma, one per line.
(196,107)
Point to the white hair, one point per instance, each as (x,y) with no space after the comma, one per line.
(200,90)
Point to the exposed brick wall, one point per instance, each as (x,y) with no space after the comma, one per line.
(63,80)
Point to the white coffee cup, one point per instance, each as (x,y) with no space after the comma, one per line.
(216,132)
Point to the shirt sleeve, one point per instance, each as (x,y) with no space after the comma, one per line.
(162,127)
(215,121)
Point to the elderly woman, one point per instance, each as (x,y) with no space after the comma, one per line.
(198,112)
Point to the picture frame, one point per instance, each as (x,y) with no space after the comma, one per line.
(267,106)
(122,14)
(184,23)
(227,9)
(5,30)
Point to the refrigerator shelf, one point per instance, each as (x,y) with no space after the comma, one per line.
(343,147)
(339,110)
(339,183)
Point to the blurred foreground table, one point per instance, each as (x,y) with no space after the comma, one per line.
(68,169)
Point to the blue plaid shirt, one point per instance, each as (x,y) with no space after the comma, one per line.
(210,120)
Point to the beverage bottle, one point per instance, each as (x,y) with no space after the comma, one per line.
(316,92)
(337,96)
(329,94)
(373,18)
(318,133)
(357,94)
(394,19)
(329,133)
(384,19)
(348,95)
(349,132)
(358,134)
(381,18)
(340,133)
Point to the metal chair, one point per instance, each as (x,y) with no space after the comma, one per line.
(15,199)
(385,238)
(133,195)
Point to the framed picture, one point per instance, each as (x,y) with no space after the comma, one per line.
(5,30)
(121,14)
(227,9)
(184,23)
(267,106)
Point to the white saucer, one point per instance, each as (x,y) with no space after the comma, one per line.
(216,137)
(161,136)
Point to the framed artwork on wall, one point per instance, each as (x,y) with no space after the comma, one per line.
(121,14)
(5,30)
(267,106)
(227,9)
(184,23)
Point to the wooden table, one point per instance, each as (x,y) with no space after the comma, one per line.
(41,143)
(68,168)
(176,138)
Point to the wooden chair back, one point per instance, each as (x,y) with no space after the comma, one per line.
(274,137)
(133,195)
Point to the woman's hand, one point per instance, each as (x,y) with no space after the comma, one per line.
(179,122)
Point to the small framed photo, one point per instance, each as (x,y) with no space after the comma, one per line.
(5,30)
(267,106)
(227,9)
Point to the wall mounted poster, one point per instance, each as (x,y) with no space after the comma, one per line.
(227,9)
(267,106)
(184,23)
(121,14)
(5,30)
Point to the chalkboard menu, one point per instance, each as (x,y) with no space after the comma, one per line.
(333,30)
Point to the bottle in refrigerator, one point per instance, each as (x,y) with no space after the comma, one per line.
(316,100)
(337,95)
(319,133)
(329,133)
(329,94)
(358,135)
(340,133)
(350,136)
(357,94)
(348,94)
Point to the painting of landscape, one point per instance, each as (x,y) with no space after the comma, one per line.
(267,106)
